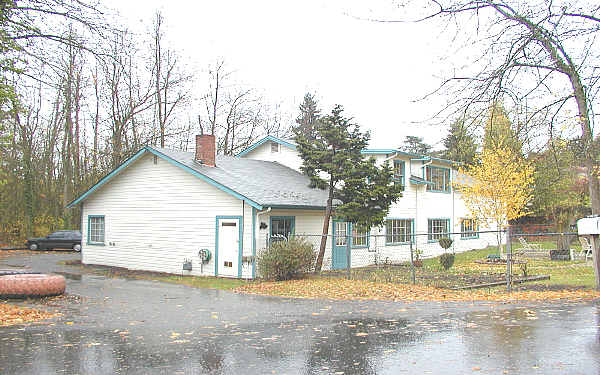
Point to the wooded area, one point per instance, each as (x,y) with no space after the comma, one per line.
(79,95)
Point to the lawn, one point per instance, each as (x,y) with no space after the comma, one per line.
(563,274)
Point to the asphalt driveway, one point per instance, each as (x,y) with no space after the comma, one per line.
(143,327)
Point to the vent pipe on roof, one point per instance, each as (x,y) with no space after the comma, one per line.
(205,149)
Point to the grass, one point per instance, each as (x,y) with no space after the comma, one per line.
(563,274)
(208,282)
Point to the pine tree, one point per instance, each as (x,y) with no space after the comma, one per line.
(459,144)
(499,133)
(364,191)
(309,115)
(415,145)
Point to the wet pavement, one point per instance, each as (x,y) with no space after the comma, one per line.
(119,326)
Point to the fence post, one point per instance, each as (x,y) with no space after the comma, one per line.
(412,265)
(508,259)
(348,247)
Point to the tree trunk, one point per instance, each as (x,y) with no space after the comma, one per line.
(326,221)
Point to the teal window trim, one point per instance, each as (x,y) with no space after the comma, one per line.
(292,224)
(402,179)
(430,234)
(368,235)
(96,243)
(475,230)
(240,241)
(448,184)
(412,231)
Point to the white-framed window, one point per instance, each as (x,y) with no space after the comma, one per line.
(360,236)
(398,231)
(439,177)
(468,229)
(274,147)
(341,228)
(96,229)
(437,228)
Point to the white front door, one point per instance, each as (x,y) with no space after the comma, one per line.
(229,247)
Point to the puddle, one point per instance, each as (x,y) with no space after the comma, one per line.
(70,276)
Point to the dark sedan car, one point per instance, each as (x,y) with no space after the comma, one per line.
(63,239)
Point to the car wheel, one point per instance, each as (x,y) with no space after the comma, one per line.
(77,247)
(33,246)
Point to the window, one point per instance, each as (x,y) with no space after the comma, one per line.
(437,228)
(282,227)
(341,230)
(440,177)
(96,230)
(360,236)
(274,147)
(398,231)
(399,172)
(468,229)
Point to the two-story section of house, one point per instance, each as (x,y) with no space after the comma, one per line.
(430,208)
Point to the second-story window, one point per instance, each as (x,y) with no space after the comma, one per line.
(440,178)
(399,172)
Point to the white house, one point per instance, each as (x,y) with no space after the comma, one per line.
(162,209)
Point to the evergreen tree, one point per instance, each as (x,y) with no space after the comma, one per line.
(499,133)
(415,145)
(459,144)
(332,160)
(309,115)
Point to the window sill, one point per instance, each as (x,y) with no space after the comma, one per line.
(96,244)
(439,191)
(470,238)
(361,247)
(397,243)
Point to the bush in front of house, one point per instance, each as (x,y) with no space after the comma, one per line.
(446,259)
(286,260)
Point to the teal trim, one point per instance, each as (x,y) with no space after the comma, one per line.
(352,235)
(107,178)
(419,181)
(339,257)
(267,139)
(412,231)
(240,241)
(401,162)
(475,230)
(292,224)
(429,189)
(429,234)
(379,151)
(205,178)
(253,242)
(88,242)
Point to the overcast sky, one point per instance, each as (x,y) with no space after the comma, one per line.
(286,48)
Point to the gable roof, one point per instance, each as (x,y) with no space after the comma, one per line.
(256,182)
(284,142)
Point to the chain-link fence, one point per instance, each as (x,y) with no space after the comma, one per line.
(476,259)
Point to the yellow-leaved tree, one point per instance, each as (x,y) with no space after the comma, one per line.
(497,187)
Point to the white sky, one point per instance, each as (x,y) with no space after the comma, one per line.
(286,48)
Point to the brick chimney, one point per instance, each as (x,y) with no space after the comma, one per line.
(205,149)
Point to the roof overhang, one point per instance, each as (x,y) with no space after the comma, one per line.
(174,162)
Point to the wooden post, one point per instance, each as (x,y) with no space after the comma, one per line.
(508,259)
(596,259)
(348,247)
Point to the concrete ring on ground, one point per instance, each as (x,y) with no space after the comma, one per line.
(31,285)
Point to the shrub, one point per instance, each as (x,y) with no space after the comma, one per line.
(445,243)
(446,260)
(285,260)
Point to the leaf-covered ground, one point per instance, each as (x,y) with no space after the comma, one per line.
(334,288)
(11,315)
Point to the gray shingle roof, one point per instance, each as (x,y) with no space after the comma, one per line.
(269,184)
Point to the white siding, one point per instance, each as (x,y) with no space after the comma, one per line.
(286,156)
(158,215)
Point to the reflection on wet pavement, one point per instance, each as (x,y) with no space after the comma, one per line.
(142,327)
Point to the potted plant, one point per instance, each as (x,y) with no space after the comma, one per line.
(446,259)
